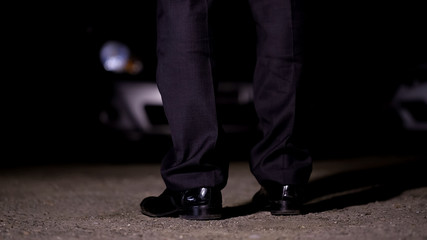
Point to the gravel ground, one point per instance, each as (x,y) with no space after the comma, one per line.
(373,197)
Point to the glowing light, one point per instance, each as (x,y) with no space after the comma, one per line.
(116,57)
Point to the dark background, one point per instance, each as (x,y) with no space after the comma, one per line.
(357,54)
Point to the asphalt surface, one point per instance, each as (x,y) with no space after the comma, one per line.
(366,197)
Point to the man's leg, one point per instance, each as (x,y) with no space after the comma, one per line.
(186,84)
(191,170)
(277,161)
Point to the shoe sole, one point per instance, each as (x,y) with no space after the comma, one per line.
(165,214)
(203,212)
(285,212)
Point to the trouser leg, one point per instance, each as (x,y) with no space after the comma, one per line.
(277,158)
(185,81)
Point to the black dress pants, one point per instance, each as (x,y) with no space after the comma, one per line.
(186,82)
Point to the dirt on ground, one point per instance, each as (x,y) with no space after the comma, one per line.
(372,197)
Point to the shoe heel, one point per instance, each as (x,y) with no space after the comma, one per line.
(286,208)
(202,212)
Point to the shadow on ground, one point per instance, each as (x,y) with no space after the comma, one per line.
(364,186)
(352,188)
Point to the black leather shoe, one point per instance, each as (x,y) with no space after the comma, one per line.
(279,200)
(194,204)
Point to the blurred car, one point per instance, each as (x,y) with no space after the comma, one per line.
(136,109)
(410,102)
